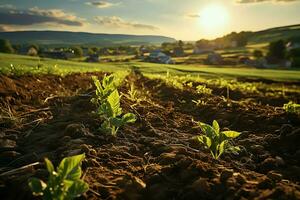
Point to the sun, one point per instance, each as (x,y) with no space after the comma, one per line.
(214,17)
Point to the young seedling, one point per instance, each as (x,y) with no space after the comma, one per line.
(111,111)
(133,94)
(292,107)
(217,141)
(104,89)
(202,89)
(64,183)
(189,84)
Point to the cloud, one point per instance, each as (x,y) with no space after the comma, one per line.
(4,28)
(117,22)
(101,4)
(260,1)
(192,16)
(37,15)
(7,6)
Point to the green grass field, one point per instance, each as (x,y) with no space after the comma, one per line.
(27,64)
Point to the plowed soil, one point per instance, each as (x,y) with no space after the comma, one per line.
(156,157)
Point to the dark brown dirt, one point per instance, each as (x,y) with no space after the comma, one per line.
(155,158)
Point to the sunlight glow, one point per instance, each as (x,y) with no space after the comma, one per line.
(214,18)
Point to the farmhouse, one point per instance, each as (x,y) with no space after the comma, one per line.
(143,50)
(158,57)
(32,51)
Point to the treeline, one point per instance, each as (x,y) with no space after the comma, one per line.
(241,39)
(78,51)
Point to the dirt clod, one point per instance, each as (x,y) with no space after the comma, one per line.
(274,176)
(226,174)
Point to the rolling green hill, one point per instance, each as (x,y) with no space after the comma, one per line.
(65,38)
(273,34)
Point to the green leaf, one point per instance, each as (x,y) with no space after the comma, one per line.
(70,167)
(129,118)
(114,102)
(49,165)
(97,84)
(77,188)
(116,121)
(205,140)
(37,186)
(108,81)
(67,184)
(208,142)
(105,127)
(207,129)
(231,134)
(201,139)
(104,109)
(234,149)
(216,127)
(94,101)
(221,148)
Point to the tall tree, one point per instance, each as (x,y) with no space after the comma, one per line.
(5,46)
(277,50)
(258,54)
(180,44)
(78,51)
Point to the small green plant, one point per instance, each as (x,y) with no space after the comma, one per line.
(174,81)
(52,69)
(217,141)
(292,107)
(189,84)
(104,89)
(133,94)
(202,89)
(107,99)
(111,111)
(16,70)
(64,183)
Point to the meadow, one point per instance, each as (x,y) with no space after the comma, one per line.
(35,65)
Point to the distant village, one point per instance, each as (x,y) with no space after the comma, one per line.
(232,49)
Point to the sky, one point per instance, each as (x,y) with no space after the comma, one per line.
(186,20)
